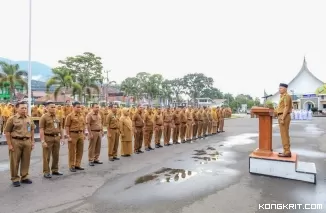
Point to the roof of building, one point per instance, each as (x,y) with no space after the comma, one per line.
(307,75)
(304,69)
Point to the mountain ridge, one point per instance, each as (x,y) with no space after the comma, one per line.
(40,71)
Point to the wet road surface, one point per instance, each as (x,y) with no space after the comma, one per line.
(209,175)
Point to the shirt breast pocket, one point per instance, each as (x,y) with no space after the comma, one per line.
(17,125)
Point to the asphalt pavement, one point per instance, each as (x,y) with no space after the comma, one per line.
(209,175)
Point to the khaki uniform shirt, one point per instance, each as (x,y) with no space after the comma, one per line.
(183,118)
(112,121)
(20,126)
(176,118)
(137,121)
(75,122)
(167,117)
(95,121)
(50,123)
(285,102)
(158,119)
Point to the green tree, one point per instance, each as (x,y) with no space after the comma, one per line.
(195,83)
(88,85)
(212,93)
(177,88)
(257,102)
(63,81)
(130,86)
(153,86)
(12,75)
(87,64)
(166,91)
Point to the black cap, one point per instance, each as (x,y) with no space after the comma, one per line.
(75,103)
(283,85)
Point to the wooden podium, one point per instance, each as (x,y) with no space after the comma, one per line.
(265,116)
(264,161)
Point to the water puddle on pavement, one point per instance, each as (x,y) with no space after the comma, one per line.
(166,175)
(241,139)
(206,156)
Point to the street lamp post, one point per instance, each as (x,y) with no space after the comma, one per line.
(29,91)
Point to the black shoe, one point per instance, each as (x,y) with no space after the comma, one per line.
(125,155)
(91,163)
(16,184)
(98,162)
(157,146)
(151,148)
(139,151)
(115,158)
(111,159)
(57,173)
(79,168)
(47,175)
(72,169)
(167,144)
(26,181)
(147,149)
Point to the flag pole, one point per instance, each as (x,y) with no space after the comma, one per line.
(29,90)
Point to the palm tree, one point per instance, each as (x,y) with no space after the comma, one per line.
(130,86)
(62,80)
(11,74)
(87,85)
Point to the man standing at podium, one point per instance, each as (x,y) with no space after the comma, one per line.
(284,110)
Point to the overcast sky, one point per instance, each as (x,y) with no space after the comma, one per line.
(246,45)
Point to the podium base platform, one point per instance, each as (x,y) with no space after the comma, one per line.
(288,168)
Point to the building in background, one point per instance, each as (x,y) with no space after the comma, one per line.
(302,88)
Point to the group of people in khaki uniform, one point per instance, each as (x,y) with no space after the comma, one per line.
(133,127)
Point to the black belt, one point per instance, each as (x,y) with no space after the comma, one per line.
(76,131)
(282,113)
(177,124)
(21,138)
(113,128)
(184,122)
(158,124)
(52,135)
(95,130)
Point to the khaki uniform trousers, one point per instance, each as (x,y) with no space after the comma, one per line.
(221,124)
(209,127)
(200,129)
(76,149)
(113,139)
(20,157)
(183,129)
(189,130)
(176,133)
(214,127)
(139,137)
(94,146)
(158,134)
(148,135)
(205,127)
(51,151)
(284,130)
(195,130)
(167,132)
